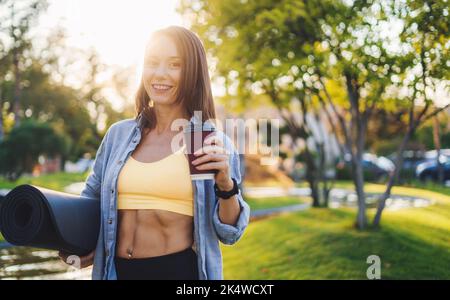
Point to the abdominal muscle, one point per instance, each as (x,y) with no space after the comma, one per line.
(150,233)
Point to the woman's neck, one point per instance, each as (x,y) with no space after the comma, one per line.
(165,115)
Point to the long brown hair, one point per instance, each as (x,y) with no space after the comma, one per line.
(194,89)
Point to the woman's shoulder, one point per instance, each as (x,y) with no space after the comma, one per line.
(121,127)
(118,133)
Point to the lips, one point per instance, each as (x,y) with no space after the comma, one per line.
(161,87)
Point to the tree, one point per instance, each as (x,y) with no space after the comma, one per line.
(319,41)
(268,57)
(17,21)
(302,48)
(20,150)
(425,36)
(47,97)
(4,65)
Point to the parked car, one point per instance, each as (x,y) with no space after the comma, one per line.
(429,155)
(428,170)
(375,167)
(411,158)
(379,165)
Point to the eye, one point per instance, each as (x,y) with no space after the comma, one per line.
(175,64)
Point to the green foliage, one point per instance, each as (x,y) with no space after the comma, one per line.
(386,147)
(20,150)
(424,135)
(345,173)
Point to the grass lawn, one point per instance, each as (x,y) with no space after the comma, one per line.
(322,244)
(271,202)
(379,188)
(55,181)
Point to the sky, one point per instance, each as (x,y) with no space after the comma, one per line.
(118,29)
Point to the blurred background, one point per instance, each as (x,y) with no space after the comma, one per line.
(360,90)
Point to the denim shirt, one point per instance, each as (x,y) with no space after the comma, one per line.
(117,145)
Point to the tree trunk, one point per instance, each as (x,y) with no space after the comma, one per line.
(315,195)
(358,128)
(437,145)
(322,177)
(326,194)
(392,178)
(2,133)
(358,180)
(16,96)
(311,177)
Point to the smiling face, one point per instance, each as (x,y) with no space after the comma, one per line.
(175,77)
(162,70)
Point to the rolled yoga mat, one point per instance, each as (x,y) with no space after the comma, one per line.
(42,218)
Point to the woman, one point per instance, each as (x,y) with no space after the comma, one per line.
(156,222)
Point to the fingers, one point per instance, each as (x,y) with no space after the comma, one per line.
(210,149)
(210,158)
(221,166)
(213,140)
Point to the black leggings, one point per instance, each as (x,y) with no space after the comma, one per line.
(175,266)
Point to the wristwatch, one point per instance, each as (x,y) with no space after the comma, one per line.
(227,194)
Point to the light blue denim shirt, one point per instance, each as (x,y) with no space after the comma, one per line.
(119,142)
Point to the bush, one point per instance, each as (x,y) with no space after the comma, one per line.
(20,150)
(345,173)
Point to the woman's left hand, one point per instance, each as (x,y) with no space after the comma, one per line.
(215,158)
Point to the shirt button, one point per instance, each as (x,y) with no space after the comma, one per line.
(110,221)
(119,162)
(134,141)
(112,191)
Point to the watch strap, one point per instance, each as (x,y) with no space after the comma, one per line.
(227,194)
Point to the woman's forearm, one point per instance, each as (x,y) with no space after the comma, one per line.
(229,210)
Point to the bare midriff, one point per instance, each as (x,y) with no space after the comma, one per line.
(151,233)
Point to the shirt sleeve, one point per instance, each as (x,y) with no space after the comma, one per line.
(94,180)
(229,234)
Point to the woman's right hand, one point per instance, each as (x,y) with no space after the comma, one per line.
(85,261)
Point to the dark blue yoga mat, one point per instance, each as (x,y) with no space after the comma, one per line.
(43,218)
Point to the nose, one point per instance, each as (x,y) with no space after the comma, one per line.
(161,70)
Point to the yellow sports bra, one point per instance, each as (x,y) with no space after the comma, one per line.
(164,184)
